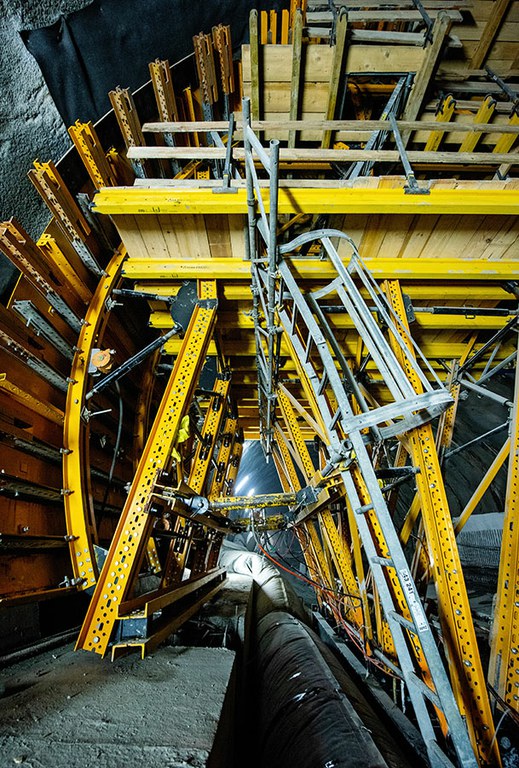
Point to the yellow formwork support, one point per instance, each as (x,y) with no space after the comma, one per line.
(92,154)
(507,141)
(234,465)
(140,431)
(483,486)
(79,512)
(224,455)
(484,114)
(503,674)
(41,407)
(336,545)
(200,466)
(312,549)
(131,536)
(467,678)
(444,115)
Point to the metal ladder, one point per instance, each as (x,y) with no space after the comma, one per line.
(290,312)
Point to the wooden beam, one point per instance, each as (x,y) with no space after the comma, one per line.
(423,77)
(361,126)
(497,14)
(336,71)
(291,155)
(254,65)
(297,50)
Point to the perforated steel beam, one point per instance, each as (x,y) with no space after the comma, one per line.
(466,671)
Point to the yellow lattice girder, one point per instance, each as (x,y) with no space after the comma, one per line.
(503,672)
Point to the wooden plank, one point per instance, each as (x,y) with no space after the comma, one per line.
(378,14)
(169,227)
(432,54)
(508,33)
(419,233)
(192,237)
(131,236)
(152,236)
(237,224)
(504,242)
(217,228)
(312,101)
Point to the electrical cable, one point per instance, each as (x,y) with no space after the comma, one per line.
(116,451)
(339,619)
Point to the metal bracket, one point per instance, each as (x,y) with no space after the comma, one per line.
(226,188)
(412,187)
(307,495)
(509,93)
(426,19)
(207,303)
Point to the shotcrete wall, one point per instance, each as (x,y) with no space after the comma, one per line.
(30,126)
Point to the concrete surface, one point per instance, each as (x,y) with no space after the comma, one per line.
(64,709)
(30,126)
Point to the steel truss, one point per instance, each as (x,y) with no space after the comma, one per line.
(357,556)
(115,617)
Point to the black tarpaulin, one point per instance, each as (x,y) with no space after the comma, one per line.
(111,42)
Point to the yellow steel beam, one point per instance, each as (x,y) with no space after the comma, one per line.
(79,511)
(234,464)
(92,154)
(314,269)
(468,680)
(483,486)
(503,673)
(131,536)
(462,200)
(162,319)
(432,348)
(140,431)
(506,143)
(439,291)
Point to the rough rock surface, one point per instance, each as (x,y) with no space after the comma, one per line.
(30,126)
(70,710)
